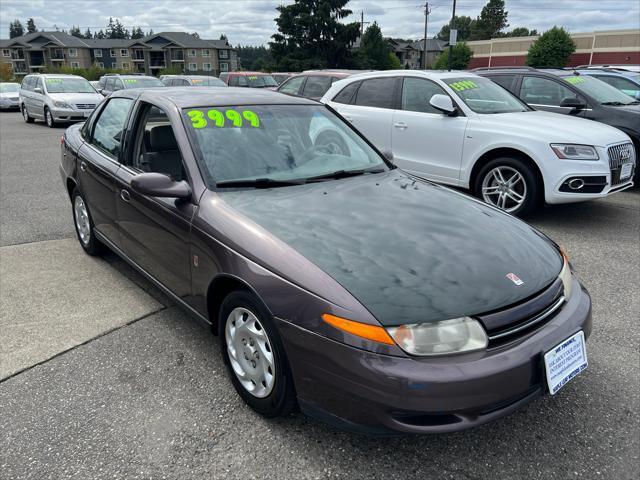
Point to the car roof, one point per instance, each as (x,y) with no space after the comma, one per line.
(247,73)
(432,74)
(187,97)
(327,73)
(54,75)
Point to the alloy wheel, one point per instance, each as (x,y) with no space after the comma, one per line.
(250,352)
(25,114)
(49,118)
(505,188)
(82,220)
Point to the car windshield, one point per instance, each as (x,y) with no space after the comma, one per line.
(600,91)
(207,82)
(68,85)
(257,81)
(143,82)
(276,143)
(484,96)
(9,87)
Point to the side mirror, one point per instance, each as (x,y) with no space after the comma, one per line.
(573,102)
(388,154)
(160,185)
(37,90)
(443,103)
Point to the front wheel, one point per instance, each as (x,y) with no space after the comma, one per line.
(254,355)
(509,184)
(48,116)
(25,115)
(84,225)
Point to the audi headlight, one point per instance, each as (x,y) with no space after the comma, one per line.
(565,276)
(61,104)
(567,151)
(458,335)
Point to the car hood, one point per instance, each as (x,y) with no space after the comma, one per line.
(408,250)
(10,95)
(77,97)
(555,127)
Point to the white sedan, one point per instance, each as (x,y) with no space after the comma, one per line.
(460,129)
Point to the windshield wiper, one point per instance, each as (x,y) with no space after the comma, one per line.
(344,174)
(258,183)
(618,104)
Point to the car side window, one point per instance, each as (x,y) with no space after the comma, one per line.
(233,81)
(109,84)
(109,127)
(117,84)
(543,91)
(416,94)
(346,94)
(242,81)
(620,83)
(39,83)
(316,86)
(183,83)
(505,81)
(377,92)
(156,148)
(292,86)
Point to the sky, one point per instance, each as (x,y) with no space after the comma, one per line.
(251,22)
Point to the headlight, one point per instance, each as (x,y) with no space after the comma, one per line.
(458,335)
(61,104)
(565,276)
(567,151)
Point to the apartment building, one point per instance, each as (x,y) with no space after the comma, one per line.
(40,50)
(614,47)
(410,53)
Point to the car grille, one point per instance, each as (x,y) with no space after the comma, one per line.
(619,155)
(85,106)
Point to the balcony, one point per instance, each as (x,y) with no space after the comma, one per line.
(137,55)
(17,54)
(20,67)
(177,56)
(57,55)
(157,63)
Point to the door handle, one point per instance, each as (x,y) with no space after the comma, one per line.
(400,125)
(125,195)
(83,166)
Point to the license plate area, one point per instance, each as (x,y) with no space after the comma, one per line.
(564,361)
(625,170)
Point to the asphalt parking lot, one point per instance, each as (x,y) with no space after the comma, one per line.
(102,377)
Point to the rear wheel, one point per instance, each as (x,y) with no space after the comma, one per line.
(25,114)
(254,355)
(48,117)
(84,225)
(509,184)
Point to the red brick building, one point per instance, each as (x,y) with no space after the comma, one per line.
(614,47)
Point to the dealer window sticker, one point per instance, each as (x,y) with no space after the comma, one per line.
(54,80)
(463,85)
(224,118)
(130,80)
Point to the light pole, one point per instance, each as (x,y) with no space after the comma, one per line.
(451,25)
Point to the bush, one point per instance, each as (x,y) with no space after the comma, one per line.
(171,71)
(91,73)
(6,73)
(459,60)
(551,50)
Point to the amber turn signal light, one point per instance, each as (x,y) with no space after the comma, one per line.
(362,330)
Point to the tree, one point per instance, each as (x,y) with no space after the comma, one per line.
(492,19)
(16,29)
(374,50)
(31,26)
(551,50)
(464,26)
(224,37)
(394,62)
(100,35)
(195,34)
(520,32)
(136,32)
(75,31)
(310,35)
(255,58)
(87,33)
(459,60)
(6,72)
(150,32)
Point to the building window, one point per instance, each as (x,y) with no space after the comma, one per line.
(224,54)
(75,64)
(206,52)
(124,52)
(6,52)
(73,52)
(125,65)
(193,67)
(112,53)
(224,67)
(206,67)
(97,53)
(192,52)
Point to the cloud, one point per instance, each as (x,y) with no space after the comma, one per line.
(251,22)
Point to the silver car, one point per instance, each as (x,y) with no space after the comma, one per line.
(57,98)
(9,95)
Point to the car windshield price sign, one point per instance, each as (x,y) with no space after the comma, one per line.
(565,361)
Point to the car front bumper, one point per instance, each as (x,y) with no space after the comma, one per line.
(9,103)
(379,394)
(69,114)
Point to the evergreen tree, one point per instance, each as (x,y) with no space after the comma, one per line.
(195,34)
(16,29)
(31,26)
(310,35)
(551,50)
(492,20)
(75,31)
(463,24)
(87,33)
(150,32)
(374,50)
(136,32)
(224,37)
(100,35)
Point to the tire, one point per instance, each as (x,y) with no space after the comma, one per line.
(252,349)
(518,198)
(25,114)
(48,118)
(334,142)
(83,224)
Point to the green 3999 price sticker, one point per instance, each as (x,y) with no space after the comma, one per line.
(463,85)
(226,118)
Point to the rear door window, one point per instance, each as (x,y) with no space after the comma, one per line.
(316,86)
(543,91)
(347,93)
(505,81)
(292,86)
(377,92)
